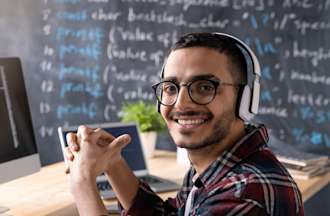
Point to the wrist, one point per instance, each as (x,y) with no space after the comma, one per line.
(114,166)
(82,182)
(86,197)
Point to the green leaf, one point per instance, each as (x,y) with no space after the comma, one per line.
(144,114)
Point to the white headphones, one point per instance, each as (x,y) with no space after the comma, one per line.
(249,100)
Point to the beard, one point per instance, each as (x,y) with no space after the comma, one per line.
(219,132)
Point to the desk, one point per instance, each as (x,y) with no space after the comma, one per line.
(47,192)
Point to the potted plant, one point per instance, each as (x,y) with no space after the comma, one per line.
(149,122)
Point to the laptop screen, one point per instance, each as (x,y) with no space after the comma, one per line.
(132,153)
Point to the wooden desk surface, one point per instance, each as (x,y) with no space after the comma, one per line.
(47,192)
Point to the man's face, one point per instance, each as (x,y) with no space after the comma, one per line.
(194,126)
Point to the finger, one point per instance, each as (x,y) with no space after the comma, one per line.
(103,138)
(69,157)
(72,140)
(83,132)
(67,170)
(68,154)
(120,142)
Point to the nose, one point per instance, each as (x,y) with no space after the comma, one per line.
(183,100)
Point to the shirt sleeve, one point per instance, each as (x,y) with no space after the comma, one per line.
(147,202)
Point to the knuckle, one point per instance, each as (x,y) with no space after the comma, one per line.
(82,128)
(97,130)
(85,140)
(70,140)
(68,151)
(69,136)
(84,131)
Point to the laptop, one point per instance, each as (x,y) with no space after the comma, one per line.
(133,154)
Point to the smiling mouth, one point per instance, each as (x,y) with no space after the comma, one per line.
(191,118)
(190,121)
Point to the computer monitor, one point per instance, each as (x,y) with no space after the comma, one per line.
(18,151)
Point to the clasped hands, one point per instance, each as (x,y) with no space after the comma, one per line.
(91,152)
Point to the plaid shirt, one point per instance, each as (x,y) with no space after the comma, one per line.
(246,179)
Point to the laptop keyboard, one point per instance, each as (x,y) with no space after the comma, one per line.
(104,185)
(149,179)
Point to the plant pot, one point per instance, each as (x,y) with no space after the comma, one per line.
(148,140)
(182,157)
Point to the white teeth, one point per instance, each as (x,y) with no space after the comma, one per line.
(190,122)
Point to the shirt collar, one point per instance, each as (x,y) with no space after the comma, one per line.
(256,138)
(249,144)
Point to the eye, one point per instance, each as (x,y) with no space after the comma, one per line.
(169,88)
(203,87)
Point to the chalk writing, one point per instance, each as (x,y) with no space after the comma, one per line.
(256,4)
(304,26)
(311,77)
(136,35)
(92,50)
(314,137)
(92,34)
(44,108)
(99,1)
(115,53)
(92,89)
(197,3)
(138,94)
(98,54)
(308,99)
(46,131)
(313,114)
(152,16)
(84,109)
(67,1)
(315,56)
(105,16)
(297,3)
(72,16)
(90,73)
(277,111)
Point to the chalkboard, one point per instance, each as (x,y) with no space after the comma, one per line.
(83,59)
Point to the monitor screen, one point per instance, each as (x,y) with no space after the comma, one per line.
(132,153)
(18,151)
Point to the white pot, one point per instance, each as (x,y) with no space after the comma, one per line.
(182,157)
(148,140)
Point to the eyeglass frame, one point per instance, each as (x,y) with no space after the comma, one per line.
(216,84)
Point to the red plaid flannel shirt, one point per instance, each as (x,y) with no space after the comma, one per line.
(246,179)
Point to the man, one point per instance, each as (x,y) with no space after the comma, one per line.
(233,172)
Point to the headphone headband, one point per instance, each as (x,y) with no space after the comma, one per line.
(253,57)
(254,101)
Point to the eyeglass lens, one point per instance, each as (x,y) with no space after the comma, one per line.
(200,91)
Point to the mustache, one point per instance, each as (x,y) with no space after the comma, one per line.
(190,113)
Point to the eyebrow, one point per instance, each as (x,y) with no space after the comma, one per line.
(193,78)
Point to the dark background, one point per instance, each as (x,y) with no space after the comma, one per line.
(83,59)
(16,135)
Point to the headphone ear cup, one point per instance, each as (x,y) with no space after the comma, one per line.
(244,104)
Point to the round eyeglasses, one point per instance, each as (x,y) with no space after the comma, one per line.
(201,91)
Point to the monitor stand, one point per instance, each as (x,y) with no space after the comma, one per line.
(3,209)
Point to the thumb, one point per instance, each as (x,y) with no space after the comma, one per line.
(120,142)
